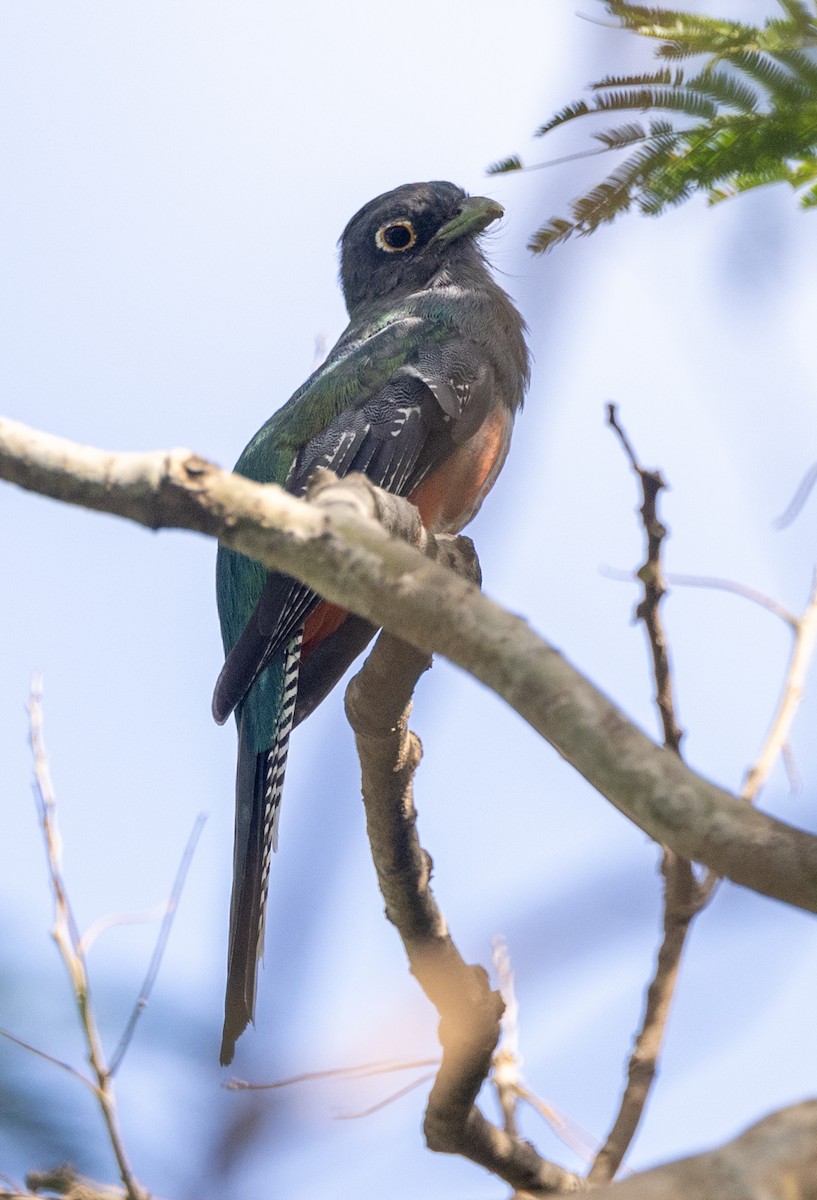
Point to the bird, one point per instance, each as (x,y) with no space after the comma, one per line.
(420,394)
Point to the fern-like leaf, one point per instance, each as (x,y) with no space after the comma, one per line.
(665,77)
(746,119)
(661,127)
(556,231)
(512,163)
(802,66)
(580,109)
(644,99)
(725,89)
(782,86)
(625,135)
(809,199)
(801,22)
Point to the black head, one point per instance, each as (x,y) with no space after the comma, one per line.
(400,240)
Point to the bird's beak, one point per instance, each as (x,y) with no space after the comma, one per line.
(475,214)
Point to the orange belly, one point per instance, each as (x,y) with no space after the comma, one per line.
(449,498)
(447,501)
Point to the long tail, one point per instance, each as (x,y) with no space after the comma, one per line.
(259,784)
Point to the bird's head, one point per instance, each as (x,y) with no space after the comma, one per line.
(399,241)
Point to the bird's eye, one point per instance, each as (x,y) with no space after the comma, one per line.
(396,236)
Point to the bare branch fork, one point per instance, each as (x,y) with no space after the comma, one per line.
(69,944)
(337,546)
(378,703)
(73,947)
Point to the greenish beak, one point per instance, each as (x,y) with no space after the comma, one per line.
(476,213)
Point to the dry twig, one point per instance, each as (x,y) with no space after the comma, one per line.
(68,943)
(73,948)
(804,629)
(683,895)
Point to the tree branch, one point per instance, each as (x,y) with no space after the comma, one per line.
(683,895)
(776,1159)
(378,703)
(340,550)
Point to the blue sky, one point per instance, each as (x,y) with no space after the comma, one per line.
(175,180)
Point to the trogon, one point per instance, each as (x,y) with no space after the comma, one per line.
(420,394)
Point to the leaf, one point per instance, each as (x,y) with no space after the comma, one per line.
(579,109)
(746,119)
(781,85)
(556,231)
(725,88)
(802,66)
(624,135)
(800,21)
(809,200)
(643,99)
(657,78)
(513,163)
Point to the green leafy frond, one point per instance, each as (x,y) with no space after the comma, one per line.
(670,99)
(653,201)
(780,32)
(512,163)
(661,127)
(746,119)
(580,109)
(717,195)
(725,89)
(782,86)
(646,79)
(688,33)
(550,235)
(772,173)
(800,20)
(804,173)
(625,135)
(801,65)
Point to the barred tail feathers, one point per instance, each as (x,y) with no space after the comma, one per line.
(259,787)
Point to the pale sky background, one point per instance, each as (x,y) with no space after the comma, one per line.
(175,177)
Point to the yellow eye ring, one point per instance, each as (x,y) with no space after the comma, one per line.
(395,237)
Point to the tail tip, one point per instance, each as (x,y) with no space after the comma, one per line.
(232,1031)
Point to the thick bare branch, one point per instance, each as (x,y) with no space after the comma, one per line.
(776,1159)
(345,555)
(378,703)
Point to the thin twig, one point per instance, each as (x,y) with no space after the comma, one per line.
(792,773)
(49,1058)
(715,583)
(683,896)
(161,943)
(651,576)
(795,505)
(69,943)
(738,589)
(804,629)
(805,636)
(506,1074)
(582,1143)
(381,1104)
(361,1071)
